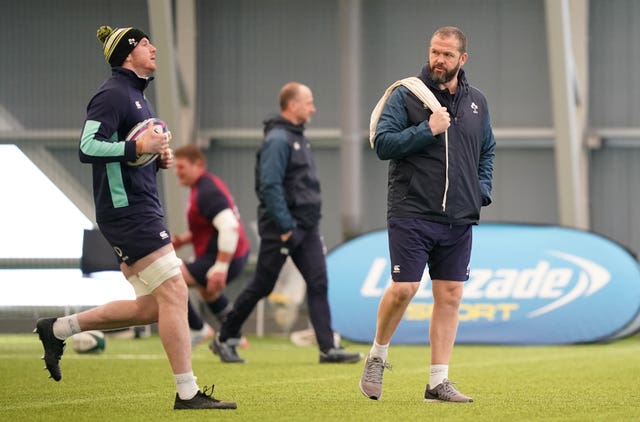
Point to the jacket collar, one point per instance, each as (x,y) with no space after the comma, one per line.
(132,77)
(278,120)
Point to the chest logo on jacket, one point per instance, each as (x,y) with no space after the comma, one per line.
(474,108)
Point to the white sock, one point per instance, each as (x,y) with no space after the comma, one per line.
(186,385)
(437,374)
(65,327)
(379,350)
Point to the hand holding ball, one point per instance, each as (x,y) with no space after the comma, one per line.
(152,136)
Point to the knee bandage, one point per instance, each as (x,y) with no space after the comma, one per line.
(155,274)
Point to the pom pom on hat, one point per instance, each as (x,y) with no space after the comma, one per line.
(103,33)
(118,43)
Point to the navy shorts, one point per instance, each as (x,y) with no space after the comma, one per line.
(199,267)
(136,237)
(413,243)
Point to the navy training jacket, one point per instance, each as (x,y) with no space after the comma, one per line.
(428,178)
(119,190)
(286,179)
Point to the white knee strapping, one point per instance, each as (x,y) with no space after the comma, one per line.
(155,274)
(161,269)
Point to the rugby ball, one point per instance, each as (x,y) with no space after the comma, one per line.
(89,342)
(145,159)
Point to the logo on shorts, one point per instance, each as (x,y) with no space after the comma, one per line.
(164,235)
(119,253)
(396,269)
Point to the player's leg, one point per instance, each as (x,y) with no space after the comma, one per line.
(196,275)
(392,307)
(218,303)
(449,268)
(195,321)
(121,313)
(112,315)
(443,327)
(409,251)
(409,247)
(193,317)
(199,330)
(270,262)
(173,327)
(159,274)
(307,254)
(117,314)
(155,276)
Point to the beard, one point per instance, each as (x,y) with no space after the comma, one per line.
(443,77)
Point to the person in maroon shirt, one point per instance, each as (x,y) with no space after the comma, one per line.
(216,232)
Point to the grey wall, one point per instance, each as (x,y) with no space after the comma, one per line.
(614,63)
(249,49)
(52,63)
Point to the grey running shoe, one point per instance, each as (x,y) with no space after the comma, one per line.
(371,381)
(339,355)
(226,349)
(203,400)
(445,391)
(53,347)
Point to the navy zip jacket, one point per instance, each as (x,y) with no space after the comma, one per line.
(119,190)
(428,178)
(287,183)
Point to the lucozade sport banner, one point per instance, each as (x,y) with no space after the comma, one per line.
(528,284)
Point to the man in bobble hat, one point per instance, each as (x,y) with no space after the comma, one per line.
(130,216)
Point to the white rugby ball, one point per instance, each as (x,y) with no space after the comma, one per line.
(89,342)
(145,159)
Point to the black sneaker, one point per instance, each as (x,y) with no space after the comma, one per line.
(226,349)
(53,346)
(203,400)
(339,355)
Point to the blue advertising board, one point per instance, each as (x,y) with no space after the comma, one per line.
(528,284)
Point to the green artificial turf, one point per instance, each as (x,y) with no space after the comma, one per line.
(131,380)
